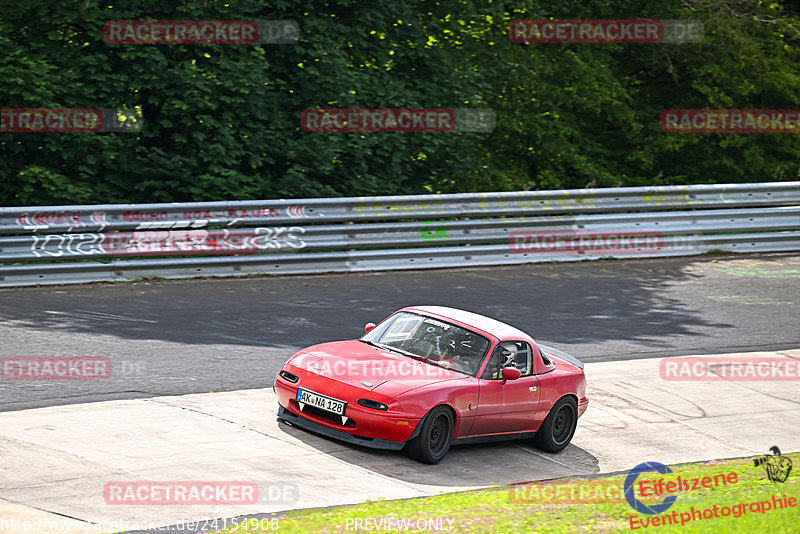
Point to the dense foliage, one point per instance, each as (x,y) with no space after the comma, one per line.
(222,121)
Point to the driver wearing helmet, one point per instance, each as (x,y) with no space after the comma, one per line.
(504,356)
(508,354)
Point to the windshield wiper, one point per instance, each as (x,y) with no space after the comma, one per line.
(393,349)
(379,345)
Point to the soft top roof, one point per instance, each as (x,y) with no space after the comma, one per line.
(500,330)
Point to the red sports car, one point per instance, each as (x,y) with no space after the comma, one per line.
(429,376)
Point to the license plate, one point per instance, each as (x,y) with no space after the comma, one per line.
(321,401)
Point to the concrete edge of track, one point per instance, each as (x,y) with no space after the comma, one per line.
(58,460)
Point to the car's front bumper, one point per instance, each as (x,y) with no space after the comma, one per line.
(373,443)
(364,423)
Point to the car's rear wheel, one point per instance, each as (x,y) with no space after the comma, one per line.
(559,426)
(433,440)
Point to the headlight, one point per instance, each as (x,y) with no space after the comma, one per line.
(375,405)
(286,375)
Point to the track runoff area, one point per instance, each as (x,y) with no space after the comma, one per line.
(217,461)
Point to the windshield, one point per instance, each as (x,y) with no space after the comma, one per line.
(431,340)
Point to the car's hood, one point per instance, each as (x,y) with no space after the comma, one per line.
(362,365)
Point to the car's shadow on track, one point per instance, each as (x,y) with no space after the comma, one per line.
(464,466)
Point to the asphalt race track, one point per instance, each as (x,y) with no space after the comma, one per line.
(190,396)
(199,336)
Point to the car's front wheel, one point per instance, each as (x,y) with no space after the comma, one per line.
(433,440)
(557,430)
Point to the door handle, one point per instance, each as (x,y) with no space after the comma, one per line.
(532,388)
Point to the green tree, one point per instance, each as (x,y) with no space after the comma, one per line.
(222,121)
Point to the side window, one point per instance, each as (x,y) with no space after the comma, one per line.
(492,370)
(545,359)
(515,354)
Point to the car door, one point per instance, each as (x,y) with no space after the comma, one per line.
(507,406)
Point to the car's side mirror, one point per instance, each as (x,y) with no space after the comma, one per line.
(368,327)
(510,373)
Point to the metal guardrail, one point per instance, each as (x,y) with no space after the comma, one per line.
(50,219)
(69,244)
(379,235)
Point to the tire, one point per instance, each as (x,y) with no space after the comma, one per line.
(559,426)
(434,438)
